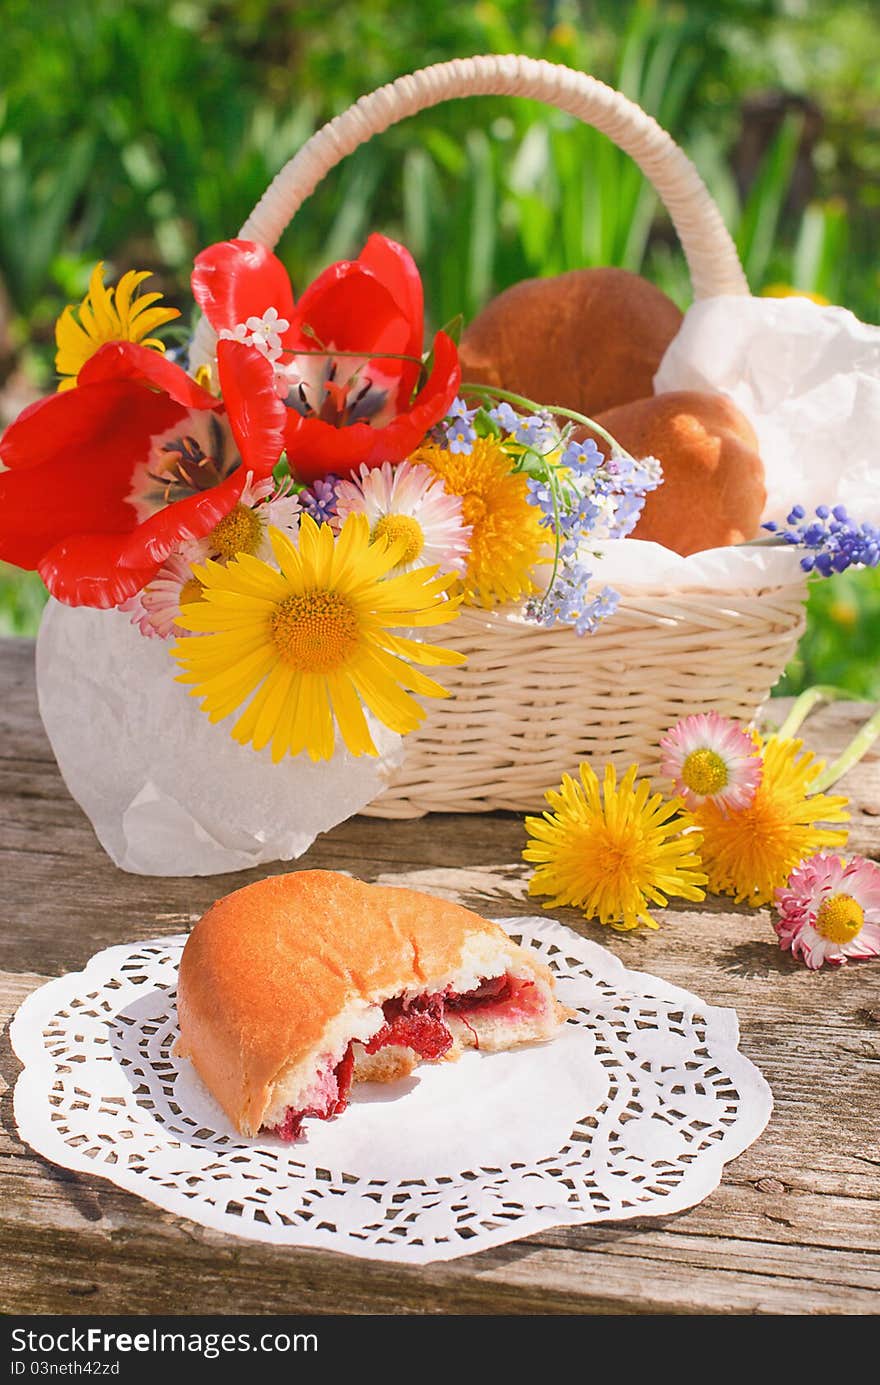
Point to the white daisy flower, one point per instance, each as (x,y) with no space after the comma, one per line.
(410,503)
(263,504)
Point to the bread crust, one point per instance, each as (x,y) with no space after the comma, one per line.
(589,339)
(269,966)
(713,490)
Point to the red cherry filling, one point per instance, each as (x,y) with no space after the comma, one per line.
(344,1075)
(419,1024)
(290,1127)
(497,988)
(335,1100)
(416,1024)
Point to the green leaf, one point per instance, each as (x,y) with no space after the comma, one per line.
(763,208)
(454,327)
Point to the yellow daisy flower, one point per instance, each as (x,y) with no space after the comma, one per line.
(107,314)
(313,642)
(507,540)
(612,851)
(750,853)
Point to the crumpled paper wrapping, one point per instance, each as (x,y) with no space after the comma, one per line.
(167,792)
(635,566)
(807,378)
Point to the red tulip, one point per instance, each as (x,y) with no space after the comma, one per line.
(341,410)
(105,480)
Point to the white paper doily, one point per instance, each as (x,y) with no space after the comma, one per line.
(632,1111)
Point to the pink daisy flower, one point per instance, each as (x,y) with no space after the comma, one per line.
(411,503)
(134,607)
(245,529)
(711,759)
(161,600)
(155,608)
(830,910)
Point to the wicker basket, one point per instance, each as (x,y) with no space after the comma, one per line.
(530,702)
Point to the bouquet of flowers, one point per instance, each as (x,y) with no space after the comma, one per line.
(295,523)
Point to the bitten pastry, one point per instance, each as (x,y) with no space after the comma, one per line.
(588,340)
(294,987)
(713,490)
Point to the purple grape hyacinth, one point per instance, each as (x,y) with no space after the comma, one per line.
(319,500)
(834,540)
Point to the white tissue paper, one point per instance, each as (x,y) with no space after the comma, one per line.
(167,792)
(808,380)
(636,566)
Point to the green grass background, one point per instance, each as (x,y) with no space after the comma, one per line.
(137,131)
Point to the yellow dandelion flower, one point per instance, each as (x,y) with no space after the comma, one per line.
(612,851)
(750,853)
(312,643)
(107,314)
(789,291)
(507,540)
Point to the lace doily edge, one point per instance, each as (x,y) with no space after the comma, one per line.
(25,1033)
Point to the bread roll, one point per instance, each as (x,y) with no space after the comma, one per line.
(587,340)
(292,987)
(713,490)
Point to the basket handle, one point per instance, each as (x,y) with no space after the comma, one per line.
(710,252)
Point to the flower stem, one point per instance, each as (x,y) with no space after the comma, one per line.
(771,541)
(858,747)
(493,392)
(553,480)
(804,705)
(359,355)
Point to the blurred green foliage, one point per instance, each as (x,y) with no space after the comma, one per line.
(140,130)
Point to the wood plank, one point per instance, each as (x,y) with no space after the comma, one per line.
(793,1228)
(99,1243)
(93,1239)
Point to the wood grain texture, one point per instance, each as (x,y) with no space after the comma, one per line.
(793,1229)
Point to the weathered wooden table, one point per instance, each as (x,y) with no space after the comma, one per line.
(794,1227)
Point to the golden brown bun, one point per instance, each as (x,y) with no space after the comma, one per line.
(713,490)
(268,967)
(588,340)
